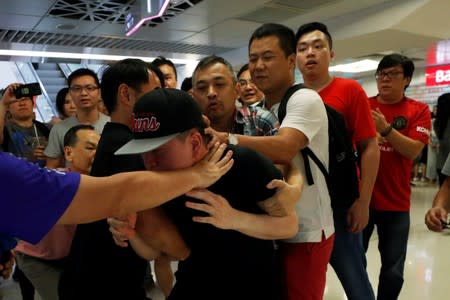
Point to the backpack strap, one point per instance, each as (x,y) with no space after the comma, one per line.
(308,153)
(284,101)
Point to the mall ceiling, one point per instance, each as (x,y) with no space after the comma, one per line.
(191,29)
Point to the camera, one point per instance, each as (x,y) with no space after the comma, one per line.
(28,90)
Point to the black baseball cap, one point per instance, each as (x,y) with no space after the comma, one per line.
(158,117)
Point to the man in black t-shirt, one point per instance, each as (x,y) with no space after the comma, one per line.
(168,130)
(97,268)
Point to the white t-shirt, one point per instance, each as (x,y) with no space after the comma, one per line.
(306,112)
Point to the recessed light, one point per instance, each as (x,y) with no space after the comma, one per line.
(66,26)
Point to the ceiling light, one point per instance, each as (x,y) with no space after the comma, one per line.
(87,56)
(356,67)
(66,26)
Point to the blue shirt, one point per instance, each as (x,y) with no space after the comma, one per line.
(33,198)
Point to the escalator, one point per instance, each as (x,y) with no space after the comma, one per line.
(52,78)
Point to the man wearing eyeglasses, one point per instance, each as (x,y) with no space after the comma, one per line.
(84,87)
(403,127)
(249,94)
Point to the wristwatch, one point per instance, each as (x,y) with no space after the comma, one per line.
(232,139)
(386,132)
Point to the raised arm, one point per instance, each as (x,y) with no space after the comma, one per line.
(119,194)
(7,98)
(406,146)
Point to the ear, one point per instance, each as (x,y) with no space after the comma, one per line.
(196,143)
(291,60)
(331,54)
(123,95)
(237,89)
(408,81)
(68,153)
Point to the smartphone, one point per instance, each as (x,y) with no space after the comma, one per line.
(28,90)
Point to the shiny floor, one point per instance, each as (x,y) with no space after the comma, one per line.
(426,268)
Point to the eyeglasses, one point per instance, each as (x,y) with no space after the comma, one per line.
(390,75)
(245,82)
(76,89)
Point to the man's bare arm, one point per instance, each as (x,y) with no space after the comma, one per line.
(222,215)
(280,148)
(156,228)
(117,195)
(287,195)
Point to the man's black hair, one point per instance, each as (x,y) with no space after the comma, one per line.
(285,35)
(152,67)
(242,70)
(70,138)
(313,26)
(60,101)
(82,72)
(161,61)
(210,60)
(133,72)
(186,85)
(395,59)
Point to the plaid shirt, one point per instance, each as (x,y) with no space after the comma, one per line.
(255,121)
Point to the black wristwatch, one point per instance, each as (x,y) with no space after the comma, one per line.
(386,132)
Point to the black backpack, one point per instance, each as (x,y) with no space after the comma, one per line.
(342,178)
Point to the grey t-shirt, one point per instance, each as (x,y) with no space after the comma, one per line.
(55,147)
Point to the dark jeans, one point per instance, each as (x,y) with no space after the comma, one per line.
(393,231)
(348,259)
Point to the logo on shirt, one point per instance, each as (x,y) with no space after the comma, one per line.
(422,130)
(399,122)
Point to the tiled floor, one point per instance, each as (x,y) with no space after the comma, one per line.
(426,269)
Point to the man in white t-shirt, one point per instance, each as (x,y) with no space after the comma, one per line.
(272,63)
(84,87)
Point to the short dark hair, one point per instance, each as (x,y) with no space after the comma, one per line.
(161,61)
(131,71)
(285,35)
(82,72)
(313,26)
(60,101)
(152,67)
(70,138)
(186,85)
(210,60)
(395,59)
(242,70)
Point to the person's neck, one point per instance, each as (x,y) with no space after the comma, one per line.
(121,117)
(390,100)
(318,83)
(88,116)
(274,97)
(25,123)
(224,124)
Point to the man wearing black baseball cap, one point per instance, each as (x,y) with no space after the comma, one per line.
(168,130)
